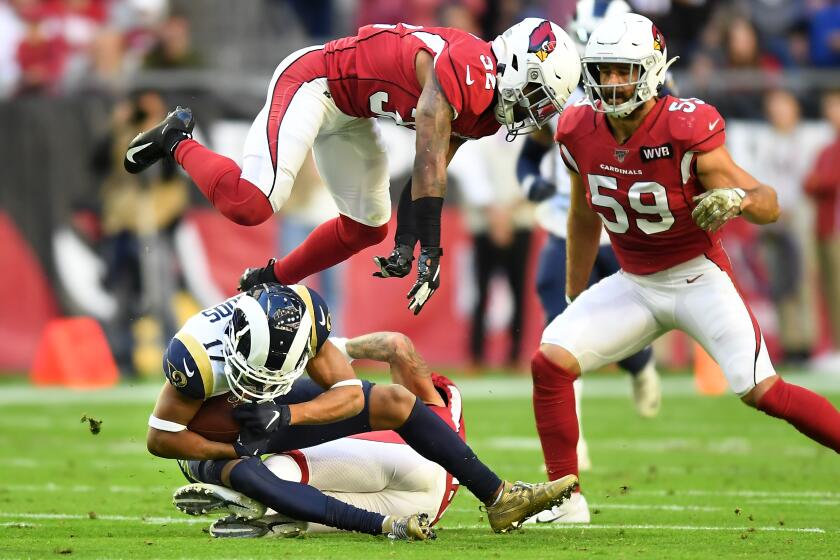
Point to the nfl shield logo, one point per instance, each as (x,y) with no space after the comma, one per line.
(620,155)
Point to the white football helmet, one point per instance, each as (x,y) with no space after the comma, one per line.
(267,342)
(627,39)
(538,67)
(588,16)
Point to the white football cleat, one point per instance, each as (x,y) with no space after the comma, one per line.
(584,462)
(647,391)
(202,499)
(271,526)
(573,510)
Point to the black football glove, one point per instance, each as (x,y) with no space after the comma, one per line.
(256,276)
(266,417)
(250,443)
(428,278)
(395,265)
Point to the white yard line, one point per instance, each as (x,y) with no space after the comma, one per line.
(583,527)
(494,388)
(553,527)
(135,519)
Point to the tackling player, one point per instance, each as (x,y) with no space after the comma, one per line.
(655,173)
(376,471)
(447,84)
(256,345)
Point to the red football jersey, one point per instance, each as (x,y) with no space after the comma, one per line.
(642,189)
(373,75)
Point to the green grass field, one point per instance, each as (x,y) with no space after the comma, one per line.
(707,478)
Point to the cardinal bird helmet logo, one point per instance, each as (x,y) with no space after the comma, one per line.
(542,40)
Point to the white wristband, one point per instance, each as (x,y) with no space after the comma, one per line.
(165,425)
(348,383)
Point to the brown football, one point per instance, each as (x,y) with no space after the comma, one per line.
(214,420)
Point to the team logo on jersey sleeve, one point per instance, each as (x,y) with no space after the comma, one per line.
(178,377)
(542,40)
(620,154)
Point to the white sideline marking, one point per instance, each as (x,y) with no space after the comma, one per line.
(581,526)
(136,519)
(739,493)
(662,507)
(82,488)
(550,527)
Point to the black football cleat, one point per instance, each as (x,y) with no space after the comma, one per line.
(150,146)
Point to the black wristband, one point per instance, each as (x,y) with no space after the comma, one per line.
(406,226)
(427,212)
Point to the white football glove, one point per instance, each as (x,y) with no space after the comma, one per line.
(716,207)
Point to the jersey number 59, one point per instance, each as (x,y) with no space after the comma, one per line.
(600,187)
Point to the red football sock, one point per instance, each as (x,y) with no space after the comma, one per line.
(219,180)
(554,410)
(805,410)
(329,244)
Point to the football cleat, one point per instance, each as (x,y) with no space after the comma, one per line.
(521,500)
(647,391)
(270,526)
(155,143)
(573,510)
(413,527)
(202,499)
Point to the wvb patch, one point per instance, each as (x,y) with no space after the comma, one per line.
(665,151)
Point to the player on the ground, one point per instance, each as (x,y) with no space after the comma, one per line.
(550,189)
(256,345)
(375,471)
(654,171)
(447,84)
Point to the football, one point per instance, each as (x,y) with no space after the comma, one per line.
(214,420)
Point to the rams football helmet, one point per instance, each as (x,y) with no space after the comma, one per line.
(267,342)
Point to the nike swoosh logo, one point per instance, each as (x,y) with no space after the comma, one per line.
(693,280)
(187,369)
(129,155)
(273,420)
(712,125)
(323,320)
(470,81)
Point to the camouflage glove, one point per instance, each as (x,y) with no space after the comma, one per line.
(716,207)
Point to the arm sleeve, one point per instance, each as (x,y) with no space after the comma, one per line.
(186,365)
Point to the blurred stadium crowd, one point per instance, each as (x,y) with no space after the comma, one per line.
(89,74)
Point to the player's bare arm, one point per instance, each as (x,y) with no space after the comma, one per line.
(584,233)
(434,127)
(408,368)
(327,368)
(731,192)
(177,409)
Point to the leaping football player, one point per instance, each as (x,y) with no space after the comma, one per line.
(447,84)
(376,471)
(655,173)
(256,345)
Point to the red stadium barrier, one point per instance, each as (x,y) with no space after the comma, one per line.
(26,299)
